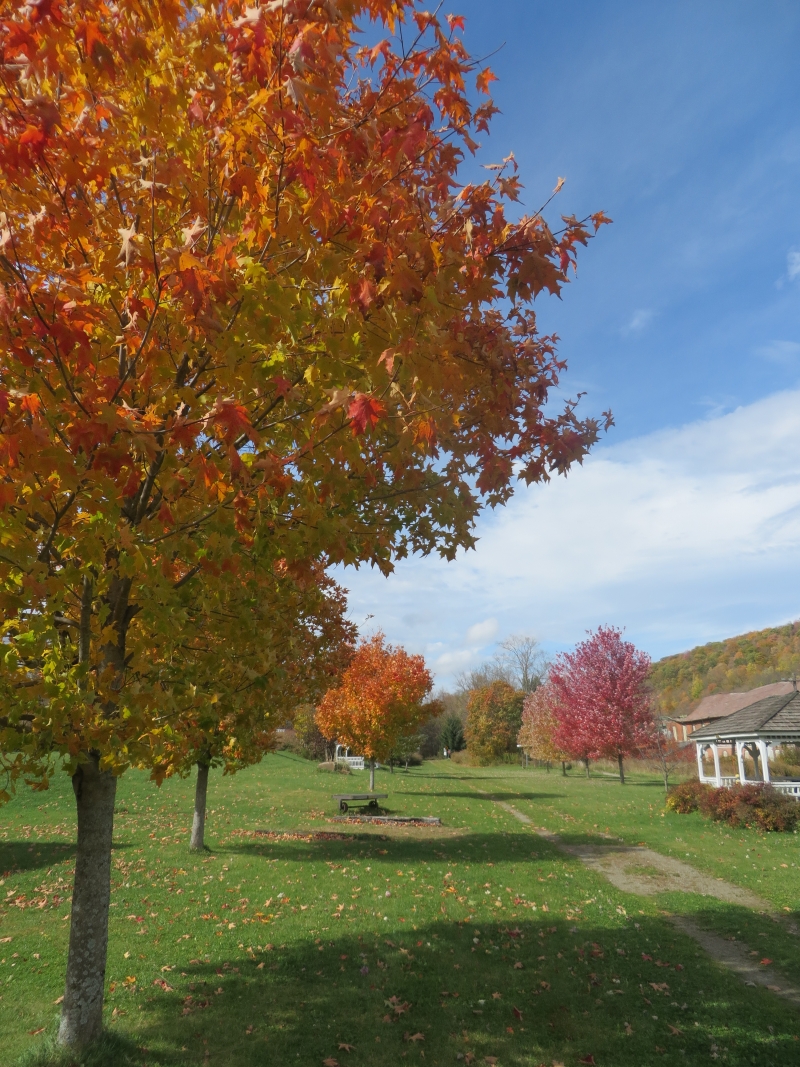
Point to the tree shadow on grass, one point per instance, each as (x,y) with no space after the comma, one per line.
(472,794)
(391,995)
(762,936)
(19,856)
(494,847)
(16,857)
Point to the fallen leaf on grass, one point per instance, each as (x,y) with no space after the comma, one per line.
(588,1059)
(490,1059)
(250,1029)
(496,996)
(330,1062)
(413,1037)
(517,966)
(59,999)
(5,940)
(469,1058)
(347,1048)
(765,962)
(41,1030)
(517,1013)
(628,1029)
(674,1030)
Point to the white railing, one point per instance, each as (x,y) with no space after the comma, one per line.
(355,763)
(725,782)
(791,789)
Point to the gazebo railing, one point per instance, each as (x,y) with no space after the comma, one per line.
(792,789)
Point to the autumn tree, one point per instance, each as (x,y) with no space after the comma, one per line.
(667,753)
(494,714)
(248,315)
(539,724)
(294,639)
(602,703)
(380,699)
(312,744)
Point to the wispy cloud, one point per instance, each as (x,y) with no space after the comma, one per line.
(639,321)
(784,353)
(793,264)
(682,536)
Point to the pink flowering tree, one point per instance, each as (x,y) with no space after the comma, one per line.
(602,704)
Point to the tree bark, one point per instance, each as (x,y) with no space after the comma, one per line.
(621,771)
(82,1010)
(372,776)
(199,819)
(587,767)
(563,768)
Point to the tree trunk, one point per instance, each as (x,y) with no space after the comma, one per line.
(82,1010)
(621,771)
(391,765)
(563,768)
(199,820)
(372,776)
(587,767)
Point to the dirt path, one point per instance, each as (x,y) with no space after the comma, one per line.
(642,871)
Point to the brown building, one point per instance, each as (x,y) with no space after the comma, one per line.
(720,705)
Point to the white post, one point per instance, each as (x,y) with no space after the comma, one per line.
(699,748)
(762,748)
(717,772)
(740,761)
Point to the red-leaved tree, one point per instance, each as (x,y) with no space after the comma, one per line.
(602,705)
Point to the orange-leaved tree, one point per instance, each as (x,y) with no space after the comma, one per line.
(539,723)
(247,316)
(380,699)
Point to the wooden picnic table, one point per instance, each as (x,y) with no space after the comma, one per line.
(367,800)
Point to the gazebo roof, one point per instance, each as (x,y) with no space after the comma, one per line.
(775,718)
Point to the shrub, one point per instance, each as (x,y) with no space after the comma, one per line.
(686,797)
(754,805)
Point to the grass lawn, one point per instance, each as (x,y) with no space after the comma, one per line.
(473,942)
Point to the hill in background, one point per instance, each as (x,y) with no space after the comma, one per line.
(735,665)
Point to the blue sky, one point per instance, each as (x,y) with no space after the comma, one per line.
(681,121)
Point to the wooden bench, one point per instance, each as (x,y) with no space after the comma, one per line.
(366,800)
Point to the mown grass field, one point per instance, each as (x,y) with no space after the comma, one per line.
(474,942)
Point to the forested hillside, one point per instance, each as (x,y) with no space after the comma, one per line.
(734,665)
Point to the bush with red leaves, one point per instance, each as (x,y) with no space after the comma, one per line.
(685,797)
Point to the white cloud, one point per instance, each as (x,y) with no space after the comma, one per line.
(639,321)
(683,536)
(792,264)
(481,633)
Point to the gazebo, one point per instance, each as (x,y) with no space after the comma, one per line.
(771,722)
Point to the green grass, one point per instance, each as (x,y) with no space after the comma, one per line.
(279,949)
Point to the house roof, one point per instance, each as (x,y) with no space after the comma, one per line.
(720,705)
(773,718)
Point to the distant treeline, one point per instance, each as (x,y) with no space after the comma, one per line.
(735,665)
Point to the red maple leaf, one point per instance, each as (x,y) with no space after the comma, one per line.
(364,411)
(363,293)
